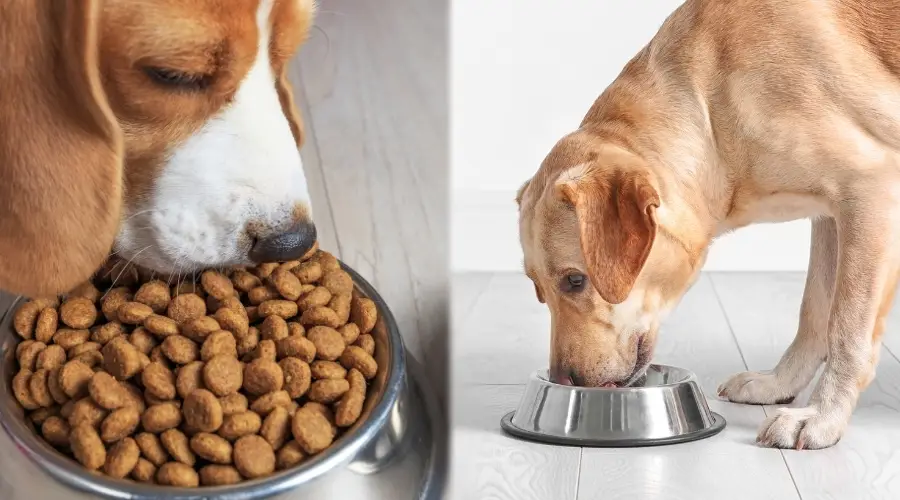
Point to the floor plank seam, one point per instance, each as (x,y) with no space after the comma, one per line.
(578,474)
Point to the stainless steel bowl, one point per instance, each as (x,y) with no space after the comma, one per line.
(667,407)
(395,451)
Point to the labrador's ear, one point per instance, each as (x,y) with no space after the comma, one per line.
(616,214)
(60,148)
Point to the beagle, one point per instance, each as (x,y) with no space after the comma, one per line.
(735,113)
(165,131)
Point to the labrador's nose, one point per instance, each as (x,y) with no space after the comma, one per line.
(289,245)
(562,376)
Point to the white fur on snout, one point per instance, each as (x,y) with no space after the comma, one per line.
(242,166)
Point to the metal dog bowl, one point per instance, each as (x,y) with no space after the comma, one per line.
(668,407)
(395,451)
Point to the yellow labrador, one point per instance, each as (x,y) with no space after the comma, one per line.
(736,112)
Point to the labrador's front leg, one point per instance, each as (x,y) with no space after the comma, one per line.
(866,279)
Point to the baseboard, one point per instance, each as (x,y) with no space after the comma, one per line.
(485,238)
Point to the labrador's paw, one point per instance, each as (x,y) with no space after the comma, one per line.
(801,429)
(756,388)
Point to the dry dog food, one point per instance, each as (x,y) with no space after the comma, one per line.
(245,373)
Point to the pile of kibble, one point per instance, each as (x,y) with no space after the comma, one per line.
(247,372)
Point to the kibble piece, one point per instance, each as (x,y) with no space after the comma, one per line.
(186,307)
(233,321)
(180,350)
(356,357)
(119,424)
(340,304)
(133,313)
(321,316)
(41,414)
(92,359)
(178,446)
(68,338)
(296,346)
(252,314)
(86,411)
(327,369)
(262,376)
(289,456)
(328,391)
(295,329)
(328,341)
(22,390)
(366,343)
(349,408)
(27,355)
(65,411)
(135,398)
(223,375)
(323,410)
(161,326)
(262,294)
(86,290)
(254,457)
(276,428)
(202,411)
(106,332)
(312,430)
(154,294)
(244,281)
(122,458)
(217,284)
(87,447)
(285,308)
(78,313)
(219,475)
(74,378)
(83,348)
(287,284)
(240,424)
(189,379)
(188,287)
(338,282)
(177,474)
(249,342)
(37,386)
(266,269)
(108,392)
(265,350)
(233,303)
(308,272)
(161,417)
(328,261)
(52,357)
(273,328)
(159,381)
(233,403)
(218,343)
(297,376)
(56,431)
(121,359)
(112,300)
(199,328)
(364,313)
(350,332)
(211,447)
(143,340)
(144,471)
(151,448)
(53,385)
(317,297)
(26,316)
(45,326)
(268,402)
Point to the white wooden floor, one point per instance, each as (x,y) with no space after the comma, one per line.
(726,324)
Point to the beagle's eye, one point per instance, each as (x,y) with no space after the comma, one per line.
(573,283)
(176,79)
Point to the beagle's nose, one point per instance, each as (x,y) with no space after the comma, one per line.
(289,245)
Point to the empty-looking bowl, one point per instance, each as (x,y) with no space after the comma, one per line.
(667,407)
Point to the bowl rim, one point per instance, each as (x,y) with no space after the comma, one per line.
(542,377)
(64,470)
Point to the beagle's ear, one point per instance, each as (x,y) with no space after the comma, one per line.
(617,225)
(60,148)
(286,97)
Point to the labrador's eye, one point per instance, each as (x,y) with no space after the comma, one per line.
(176,79)
(573,283)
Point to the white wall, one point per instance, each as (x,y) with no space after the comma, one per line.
(524,73)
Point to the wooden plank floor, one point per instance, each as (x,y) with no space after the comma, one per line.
(371,83)
(726,323)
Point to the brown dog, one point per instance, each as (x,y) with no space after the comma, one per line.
(735,113)
(164,129)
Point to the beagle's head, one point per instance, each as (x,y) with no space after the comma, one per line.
(163,130)
(602,256)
